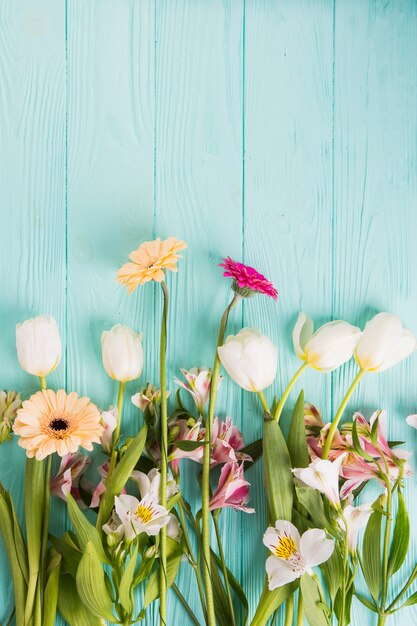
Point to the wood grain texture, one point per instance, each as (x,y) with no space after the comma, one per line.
(278,132)
(32,200)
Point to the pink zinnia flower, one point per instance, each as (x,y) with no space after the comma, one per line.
(227,441)
(67,479)
(232,490)
(246,277)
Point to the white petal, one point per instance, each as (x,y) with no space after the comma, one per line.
(332,345)
(280,572)
(303,330)
(125,506)
(315,548)
(287,528)
(412,420)
(142,481)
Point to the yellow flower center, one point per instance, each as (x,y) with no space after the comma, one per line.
(144,513)
(285,548)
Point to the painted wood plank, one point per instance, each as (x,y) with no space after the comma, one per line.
(287,203)
(375,220)
(32,201)
(198,196)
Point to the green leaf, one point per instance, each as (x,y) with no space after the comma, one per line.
(297,440)
(92,587)
(120,476)
(234,583)
(368,603)
(371,554)
(400,538)
(270,601)
(333,573)
(410,601)
(51,591)
(174,555)
(313,606)
(70,552)
(357,444)
(188,446)
(126,582)
(34,496)
(278,481)
(21,550)
(19,584)
(74,612)
(144,569)
(312,501)
(254,450)
(221,605)
(86,532)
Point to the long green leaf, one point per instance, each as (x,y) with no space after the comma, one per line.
(70,552)
(174,555)
(270,601)
(333,573)
(19,584)
(74,612)
(400,538)
(297,440)
(368,603)
(235,585)
(21,550)
(34,498)
(51,591)
(315,614)
(85,531)
(312,501)
(278,480)
(221,606)
(126,582)
(410,601)
(371,554)
(120,476)
(92,587)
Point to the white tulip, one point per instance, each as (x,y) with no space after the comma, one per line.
(384,343)
(329,347)
(250,359)
(122,353)
(38,344)
(292,555)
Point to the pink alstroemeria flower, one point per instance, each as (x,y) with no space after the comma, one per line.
(357,471)
(247,278)
(148,397)
(109,420)
(186,433)
(232,490)
(103,470)
(198,379)
(67,479)
(227,441)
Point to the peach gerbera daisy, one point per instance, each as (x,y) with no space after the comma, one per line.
(149,262)
(56,422)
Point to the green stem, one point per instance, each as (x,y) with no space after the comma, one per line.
(300,610)
(281,404)
(335,423)
(43,381)
(263,402)
(344,586)
(46,515)
(289,611)
(205,485)
(164,461)
(185,605)
(381,620)
(120,398)
(387,533)
(224,568)
(191,557)
(404,589)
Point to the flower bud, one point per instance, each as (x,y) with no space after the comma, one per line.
(122,353)
(250,359)
(38,344)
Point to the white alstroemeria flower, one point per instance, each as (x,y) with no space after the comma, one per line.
(356,517)
(292,555)
(38,344)
(412,420)
(322,475)
(122,353)
(114,527)
(109,419)
(140,516)
(151,484)
(198,379)
(329,347)
(173,529)
(250,359)
(384,343)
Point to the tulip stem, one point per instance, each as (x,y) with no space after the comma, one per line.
(263,402)
(43,381)
(281,404)
(164,460)
(335,423)
(120,398)
(205,484)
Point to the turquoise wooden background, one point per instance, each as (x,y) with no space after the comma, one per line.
(281,132)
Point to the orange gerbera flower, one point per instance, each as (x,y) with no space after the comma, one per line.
(149,262)
(56,422)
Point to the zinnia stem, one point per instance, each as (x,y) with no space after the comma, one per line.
(164,454)
(205,485)
(284,398)
(335,423)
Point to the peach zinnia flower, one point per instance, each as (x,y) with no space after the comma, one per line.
(149,262)
(56,422)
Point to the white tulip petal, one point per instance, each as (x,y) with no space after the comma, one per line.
(384,343)
(302,333)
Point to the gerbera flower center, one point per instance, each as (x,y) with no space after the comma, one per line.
(286,548)
(58,424)
(144,513)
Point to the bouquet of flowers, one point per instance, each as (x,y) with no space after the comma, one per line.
(132,528)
